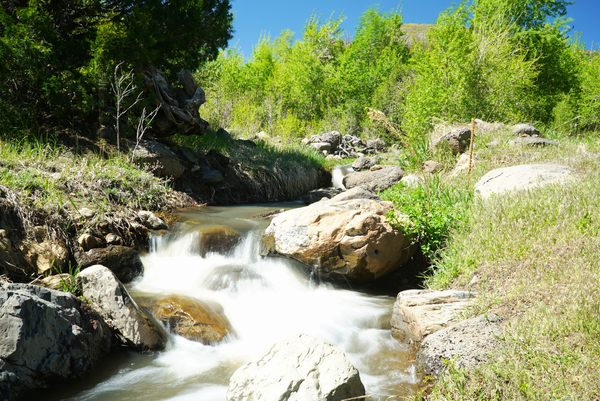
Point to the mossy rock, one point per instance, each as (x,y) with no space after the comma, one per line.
(190,318)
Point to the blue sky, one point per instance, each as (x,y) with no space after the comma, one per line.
(253,17)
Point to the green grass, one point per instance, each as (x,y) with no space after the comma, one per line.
(535,256)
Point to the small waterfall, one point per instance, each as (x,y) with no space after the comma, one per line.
(338,174)
(265,300)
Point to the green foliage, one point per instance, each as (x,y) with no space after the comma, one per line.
(433,208)
(54,52)
(472,68)
(70,284)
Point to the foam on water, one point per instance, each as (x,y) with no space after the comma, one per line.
(265,300)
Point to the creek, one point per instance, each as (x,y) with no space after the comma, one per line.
(266,300)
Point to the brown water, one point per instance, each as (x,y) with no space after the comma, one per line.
(266,300)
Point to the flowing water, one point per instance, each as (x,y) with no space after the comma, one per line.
(265,300)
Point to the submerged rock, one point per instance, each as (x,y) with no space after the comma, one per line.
(218,239)
(134,328)
(298,368)
(48,337)
(191,318)
(348,239)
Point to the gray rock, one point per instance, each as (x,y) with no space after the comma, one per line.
(412,181)
(151,221)
(47,337)
(525,129)
(295,369)
(431,166)
(321,146)
(87,213)
(363,163)
(156,155)
(467,344)
(532,141)
(212,177)
(134,328)
(125,262)
(457,140)
(113,239)
(375,181)
(356,193)
(526,176)
(87,242)
(333,138)
(317,194)
(377,144)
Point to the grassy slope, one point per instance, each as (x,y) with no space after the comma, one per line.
(534,257)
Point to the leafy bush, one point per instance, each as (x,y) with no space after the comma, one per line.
(433,208)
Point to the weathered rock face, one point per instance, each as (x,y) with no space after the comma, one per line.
(45,254)
(522,177)
(154,154)
(347,239)
(193,319)
(298,368)
(124,262)
(467,344)
(218,239)
(457,140)
(46,338)
(133,327)
(419,313)
(375,181)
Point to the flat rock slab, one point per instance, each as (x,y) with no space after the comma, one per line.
(466,344)
(296,369)
(419,313)
(526,176)
(532,141)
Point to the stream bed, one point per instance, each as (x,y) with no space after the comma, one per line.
(265,300)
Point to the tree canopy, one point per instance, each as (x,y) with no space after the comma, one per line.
(55,51)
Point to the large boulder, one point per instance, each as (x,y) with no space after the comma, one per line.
(125,262)
(46,338)
(297,368)
(158,156)
(457,140)
(375,181)
(191,318)
(466,344)
(419,313)
(348,240)
(526,176)
(133,327)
